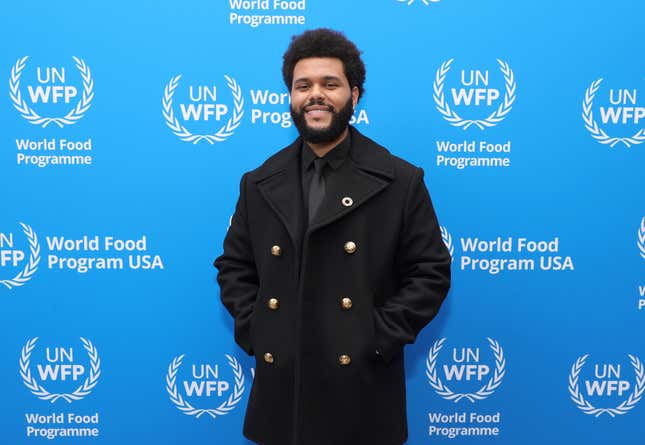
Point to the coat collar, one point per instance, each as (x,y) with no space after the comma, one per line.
(370,171)
(365,153)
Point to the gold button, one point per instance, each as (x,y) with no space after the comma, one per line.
(347,201)
(276,250)
(350,247)
(273,303)
(344,360)
(268,357)
(346,303)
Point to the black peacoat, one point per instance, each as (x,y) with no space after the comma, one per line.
(368,274)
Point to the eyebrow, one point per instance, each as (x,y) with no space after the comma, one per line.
(325,78)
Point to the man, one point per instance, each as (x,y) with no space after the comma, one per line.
(332,263)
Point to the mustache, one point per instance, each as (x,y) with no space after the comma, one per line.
(319,102)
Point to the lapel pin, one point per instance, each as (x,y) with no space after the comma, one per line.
(347,201)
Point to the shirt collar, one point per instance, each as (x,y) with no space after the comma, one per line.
(334,157)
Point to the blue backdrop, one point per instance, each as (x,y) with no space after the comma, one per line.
(126,127)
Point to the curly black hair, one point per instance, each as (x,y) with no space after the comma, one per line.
(324,42)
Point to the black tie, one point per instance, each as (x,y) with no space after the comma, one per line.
(316,187)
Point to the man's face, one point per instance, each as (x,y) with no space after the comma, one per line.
(322,101)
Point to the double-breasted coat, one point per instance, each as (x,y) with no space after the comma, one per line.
(326,312)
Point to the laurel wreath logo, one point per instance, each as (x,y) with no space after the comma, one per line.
(222,134)
(598,133)
(34,258)
(485,391)
(80,392)
(641,238)
(425,2)
(71,117)
(447,240)
(495,117)
(188,409)
(621,409)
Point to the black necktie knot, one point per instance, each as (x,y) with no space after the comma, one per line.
(319,164)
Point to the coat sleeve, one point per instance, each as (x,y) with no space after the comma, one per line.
(422,262)
(237,273)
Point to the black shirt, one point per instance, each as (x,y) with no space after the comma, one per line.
(334,157)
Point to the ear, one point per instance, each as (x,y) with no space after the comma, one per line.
(355,94)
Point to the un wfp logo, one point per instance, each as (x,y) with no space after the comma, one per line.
(623,111)
(466,366)
(12,257)
(425,2)
(51,86)
(60,367)
(205,382)
(203,106)
(607,382)
(475,92)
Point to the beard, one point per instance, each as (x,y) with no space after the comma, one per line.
(339,121)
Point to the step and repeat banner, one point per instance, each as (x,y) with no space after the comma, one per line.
(126,127)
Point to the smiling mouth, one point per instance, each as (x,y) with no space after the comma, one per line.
(318,112)
(320,106)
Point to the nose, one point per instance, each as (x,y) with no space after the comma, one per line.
(316,93)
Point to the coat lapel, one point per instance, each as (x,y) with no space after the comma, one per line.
(347,189)
(279,184)
(367,171)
